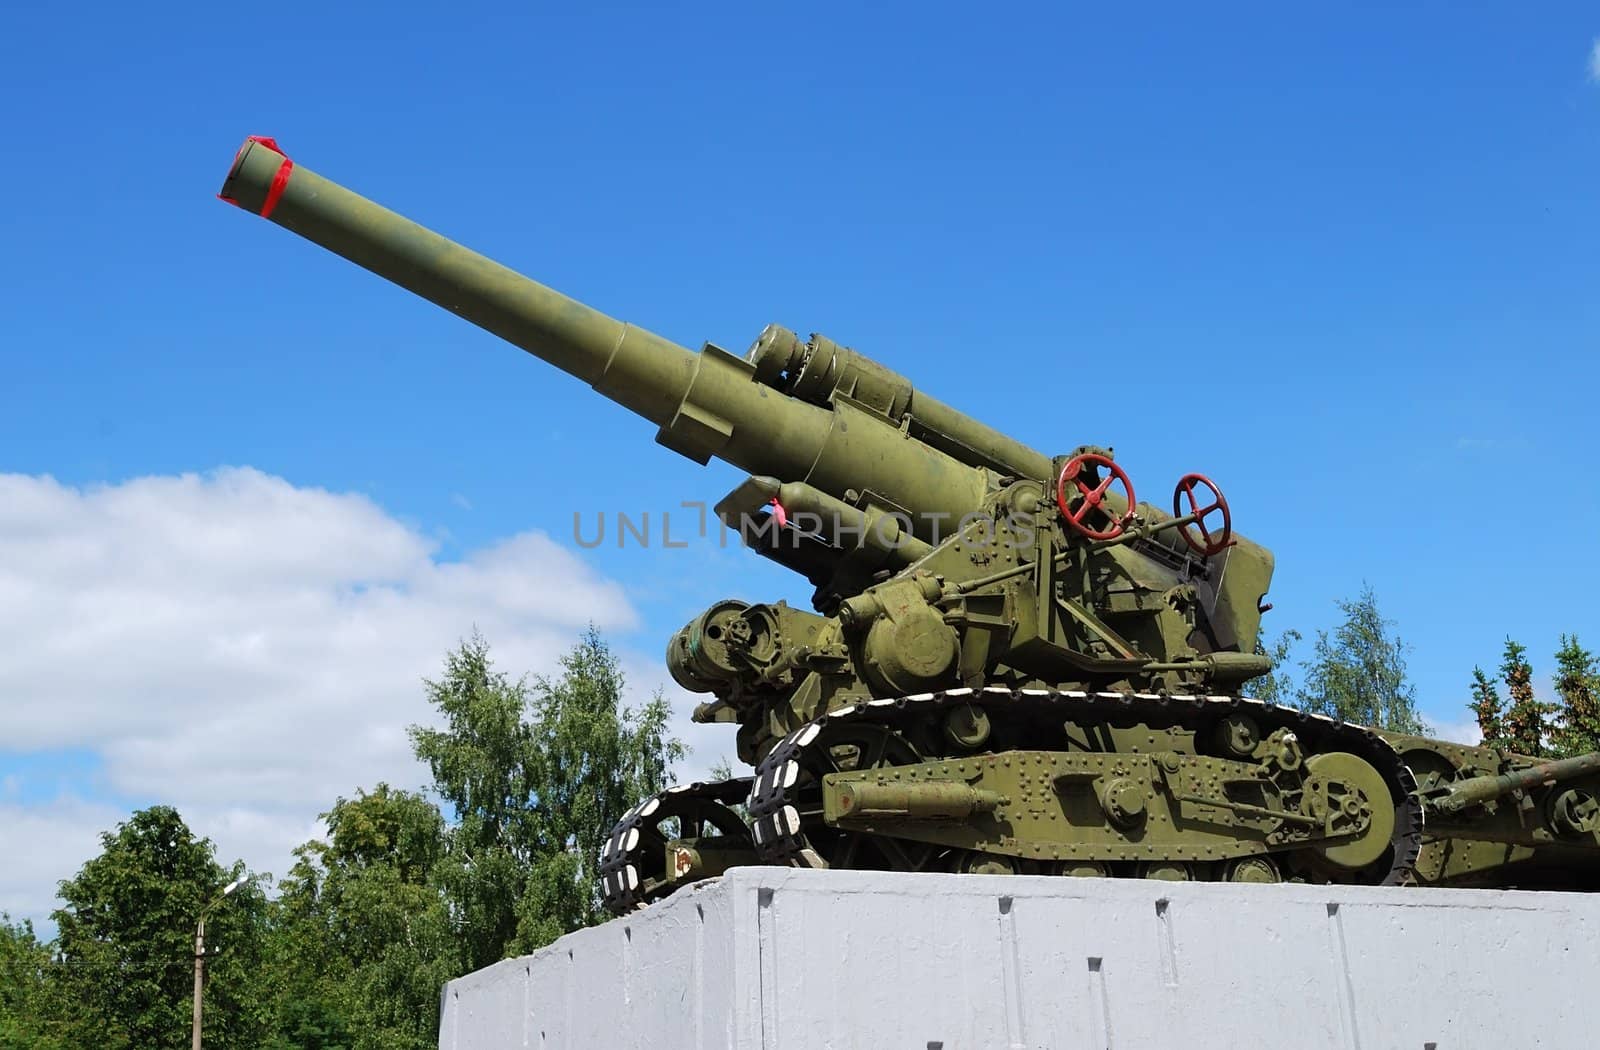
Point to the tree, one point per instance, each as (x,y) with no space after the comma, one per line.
(722,769)
(1489,709)
(1358,673)
(365,939)
(31,1007)
(126,939)
(1578,686)
(481,763)
(1277,685)
(596,759)
(1527,720)
(536,777)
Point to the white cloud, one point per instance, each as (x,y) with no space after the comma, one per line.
(246,650)
(1463,732)
(45,843)
(1594,61)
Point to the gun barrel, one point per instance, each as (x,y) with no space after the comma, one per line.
(707,404)
(568,334)
(1479,790)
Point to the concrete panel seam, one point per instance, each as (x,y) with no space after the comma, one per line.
(527,1005)
(571,991)
(627,964)
(1099,1005)
(1067,964)
(1168,948)
(699,975)
(1011,972)
(1340,951)
(767,951)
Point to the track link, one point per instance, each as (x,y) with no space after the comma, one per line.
(633,861)
(780,837)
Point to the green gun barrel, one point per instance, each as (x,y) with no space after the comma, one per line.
(1478,790)
(707,404)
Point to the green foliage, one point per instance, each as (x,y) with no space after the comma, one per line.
(1358,673)
(722,769)
(1530,726)
(1277,685)
(377,914)
(309,1024)
(481,763)
(1578,687)
(1526,725)
(32,1015)
(536,777)
(126,940)
(597,759)
(365,938)
(1489,709)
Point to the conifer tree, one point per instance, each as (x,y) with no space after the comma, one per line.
(1489,709)
(1527,719)
(1578,686)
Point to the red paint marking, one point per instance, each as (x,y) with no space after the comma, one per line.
(280,178)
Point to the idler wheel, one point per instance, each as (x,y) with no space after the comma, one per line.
(1353,800)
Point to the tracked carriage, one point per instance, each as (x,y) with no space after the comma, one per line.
(1010,664)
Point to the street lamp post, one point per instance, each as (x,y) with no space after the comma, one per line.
(200,954)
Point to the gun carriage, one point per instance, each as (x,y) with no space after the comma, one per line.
(1010,664)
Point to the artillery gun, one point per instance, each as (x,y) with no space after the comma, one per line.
(1010,664)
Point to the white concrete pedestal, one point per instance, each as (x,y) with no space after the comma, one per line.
(784,959)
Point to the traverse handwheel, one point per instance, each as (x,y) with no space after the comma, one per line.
(1206,544)
(1089,496)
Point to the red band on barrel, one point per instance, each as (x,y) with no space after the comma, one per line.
(279,180)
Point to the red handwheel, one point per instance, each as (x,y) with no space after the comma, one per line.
(1091,497)
(1207,544)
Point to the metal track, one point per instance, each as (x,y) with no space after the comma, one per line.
(635,847)
(780,834)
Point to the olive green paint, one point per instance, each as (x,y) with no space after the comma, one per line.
(947,556)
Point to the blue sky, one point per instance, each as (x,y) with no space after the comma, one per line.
(1342,261)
